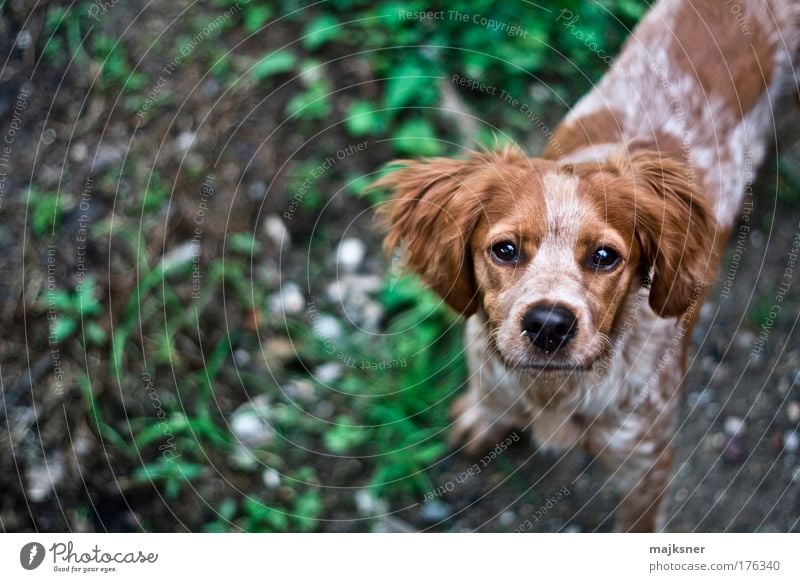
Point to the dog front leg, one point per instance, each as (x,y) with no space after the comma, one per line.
(640,466)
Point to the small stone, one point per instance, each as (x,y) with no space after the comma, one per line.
(327,327)
(699,399)
(351,254)
(435,511)
(185,140)
(288,301)
(250,427)
(328,372)
(43,478)
(179,255)
(271,478)
(241,357)
(257,190)
(368,505)
(744,339)
(791,441)
(299,390)
(507,518)
(324,409)
(79,152)
(734,426)
(793,411)
(243,458)
(277,351)
(276,231)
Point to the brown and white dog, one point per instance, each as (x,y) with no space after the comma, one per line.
(582,273)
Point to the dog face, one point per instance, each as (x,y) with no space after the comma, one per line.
(548,252)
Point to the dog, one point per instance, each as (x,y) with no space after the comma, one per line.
(582,273)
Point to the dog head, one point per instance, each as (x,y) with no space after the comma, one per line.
(548,251)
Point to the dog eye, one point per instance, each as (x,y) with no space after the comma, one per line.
(505,252)
(604,258)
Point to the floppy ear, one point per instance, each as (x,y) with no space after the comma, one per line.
(675,226)
(432,215)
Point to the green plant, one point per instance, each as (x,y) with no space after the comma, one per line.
(75,307)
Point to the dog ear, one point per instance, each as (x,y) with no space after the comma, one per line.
(675,226)
(432,216)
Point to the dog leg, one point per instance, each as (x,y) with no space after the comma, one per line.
(640,467)
(488,411)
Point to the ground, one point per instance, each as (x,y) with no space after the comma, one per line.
(201,331)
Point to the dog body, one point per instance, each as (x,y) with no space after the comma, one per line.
(583,273)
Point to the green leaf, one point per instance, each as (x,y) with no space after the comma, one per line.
(362,119)
(343,436)
(416,137)
(412,84)
(255,16)
(312,103)
(320,31)
(244,242)
(281,61)
(64,327)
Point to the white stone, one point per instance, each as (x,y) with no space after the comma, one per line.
(791,441)
(250,427)
(793,411)
(276,231)
(734,425)
(327,327)
(351,253)
(271,478)
(328,372)
(288,301)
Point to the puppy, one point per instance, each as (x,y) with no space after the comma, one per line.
(582,273)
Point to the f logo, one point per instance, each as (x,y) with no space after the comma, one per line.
(31,555)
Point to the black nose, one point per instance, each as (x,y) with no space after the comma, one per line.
(549,327)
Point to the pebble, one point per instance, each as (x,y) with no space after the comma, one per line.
(288,301)
(179,255)
(79,152)
(507,518)
(299,390)
(354,287)
(185,140)
(791,441)
(734,426)
(241,357)
(277,351)
(744,339)
(368,505)
(243,457)
(351,253)
(43,478)
(793,411)
(324,409)
(328,372)
(327,327)
(271,478)
(249,424)
(276,231)
(435,511)
(699,399)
